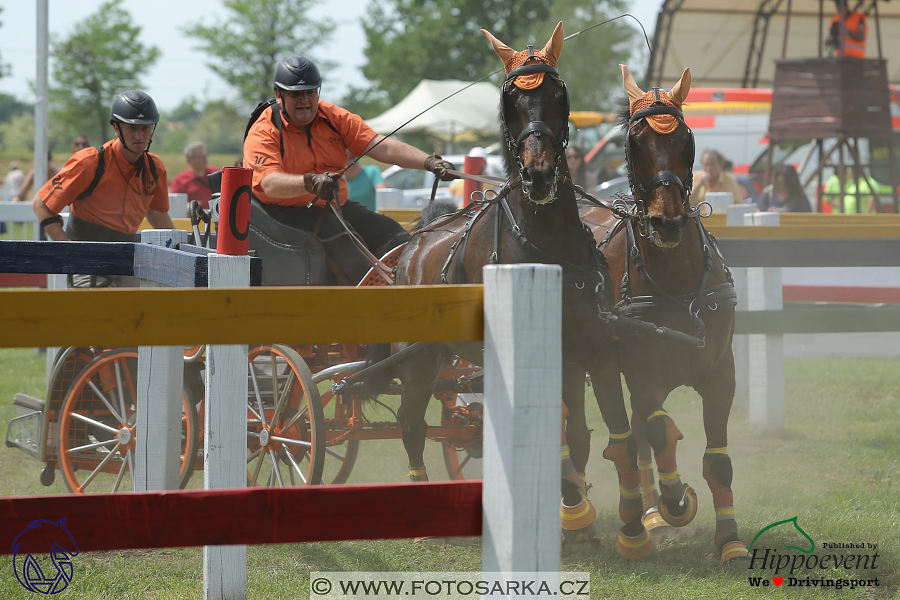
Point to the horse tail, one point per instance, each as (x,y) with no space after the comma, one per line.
(379,382)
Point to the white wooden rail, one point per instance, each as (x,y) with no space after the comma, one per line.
(522,416)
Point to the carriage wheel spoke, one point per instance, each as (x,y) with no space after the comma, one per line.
(273,361)
(90,421)
(292,442)
(253,455)
(284,393)
(129,457)
(102,464)
(335,454)
(258,466)
(121,473)
(275,469)
(296,417)
(120,388)
(295,467)
(262,413)
(102,397)
(92,446)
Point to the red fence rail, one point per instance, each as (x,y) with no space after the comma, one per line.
(246,516)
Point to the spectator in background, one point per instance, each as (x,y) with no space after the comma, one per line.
(79,143)
(854,34)
(362,181)
(578,169)
(785,193)
(192,181)
(714,178)
(29,179)
(857,193)
(13,180)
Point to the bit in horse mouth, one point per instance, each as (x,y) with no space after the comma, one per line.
(657,240)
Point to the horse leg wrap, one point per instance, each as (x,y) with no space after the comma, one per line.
(649,496)
(622,451)
(718,474)
(418,474)
(636,548)
(577,521)
(678,502)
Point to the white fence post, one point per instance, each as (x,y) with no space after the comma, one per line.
(160,380)
(740,344)
(764,292)
(225,435)
(523,387)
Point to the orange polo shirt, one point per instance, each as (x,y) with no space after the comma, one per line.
(322,149)
(122,196)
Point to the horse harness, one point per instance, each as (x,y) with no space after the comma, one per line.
(661,302)
(592,277)
(631,214)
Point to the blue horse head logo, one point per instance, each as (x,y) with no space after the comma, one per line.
(61,547)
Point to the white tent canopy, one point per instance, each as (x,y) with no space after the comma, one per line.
(472,111)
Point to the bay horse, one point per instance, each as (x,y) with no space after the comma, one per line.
(669,272)
(532,219)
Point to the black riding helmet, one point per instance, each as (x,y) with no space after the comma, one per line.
(133,107)
(297,73)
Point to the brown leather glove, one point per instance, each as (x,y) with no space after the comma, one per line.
(439,167)
(324,186)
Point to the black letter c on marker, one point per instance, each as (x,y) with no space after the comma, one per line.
(232,214)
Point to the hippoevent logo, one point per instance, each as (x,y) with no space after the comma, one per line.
(808,568)
(52,574)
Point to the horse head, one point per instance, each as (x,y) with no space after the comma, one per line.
(659,150)
(534,115)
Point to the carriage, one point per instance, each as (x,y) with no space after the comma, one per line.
(303,413)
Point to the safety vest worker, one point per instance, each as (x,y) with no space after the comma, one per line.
(854,36)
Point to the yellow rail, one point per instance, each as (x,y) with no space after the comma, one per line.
(175,317)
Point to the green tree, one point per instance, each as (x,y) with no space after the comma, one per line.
(411,40)
(252,36)
(17,134)
(101,58)
(11,106)
(590,61)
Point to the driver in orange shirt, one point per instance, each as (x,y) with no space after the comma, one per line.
(295,167)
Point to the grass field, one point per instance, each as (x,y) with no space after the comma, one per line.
(835,467)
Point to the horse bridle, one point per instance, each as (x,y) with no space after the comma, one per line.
(639,189)
(560,140)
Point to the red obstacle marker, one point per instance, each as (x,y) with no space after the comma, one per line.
(232,236)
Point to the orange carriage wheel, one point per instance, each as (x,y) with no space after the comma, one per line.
(341,456)
(98,422)
(285,422)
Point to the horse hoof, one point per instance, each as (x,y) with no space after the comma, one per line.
(578,517)
(690,510)
(653,520)
(734,553)
(643,547)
